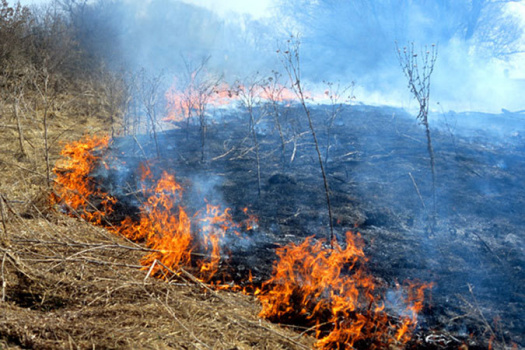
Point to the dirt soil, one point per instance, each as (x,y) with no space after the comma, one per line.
(379,175)
(68,284)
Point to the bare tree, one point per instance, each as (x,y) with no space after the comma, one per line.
(148,89)
(14,59)
(337,95)
(418,70)
(55,54)
(250,99)
(197,92)
(292,64)
(115,97)
(273,93)
(18,87)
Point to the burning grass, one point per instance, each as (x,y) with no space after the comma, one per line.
(65,283)
(325,290)
(75,187)
(330,291)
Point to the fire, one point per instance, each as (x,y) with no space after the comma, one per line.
(327,290)
(215,225)
(252,223)
(74,188)
(182,103)
(172,234)
(330,291)
(164,225)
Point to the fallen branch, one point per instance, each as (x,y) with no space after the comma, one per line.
(417,190)
(3,238)
(4,283)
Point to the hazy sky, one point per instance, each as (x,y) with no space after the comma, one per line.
(255,8)
(259,8)
(472,79)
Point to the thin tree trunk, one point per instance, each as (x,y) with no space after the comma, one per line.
(280,129)
(325,179)
(433,172)
(256,143)
(203,128)
(19,126)
(3,213)
(154,131)
(292,66)
(46,149)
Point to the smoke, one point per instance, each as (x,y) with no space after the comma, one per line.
(340,41)
(166,36)
(356,41)
(479,66)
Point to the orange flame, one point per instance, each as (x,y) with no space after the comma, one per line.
(164,225)
(325,289)
(74,188)
(312,283)
(184,102)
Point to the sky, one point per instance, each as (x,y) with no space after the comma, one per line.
(255,8)
(483,79)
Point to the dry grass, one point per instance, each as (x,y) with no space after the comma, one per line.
(66,284)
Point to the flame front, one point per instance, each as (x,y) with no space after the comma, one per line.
(164,225)
(183,103)
(329,291)
(74,188)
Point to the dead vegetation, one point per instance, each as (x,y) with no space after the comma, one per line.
(68,284)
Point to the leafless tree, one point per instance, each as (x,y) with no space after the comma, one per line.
(273,91)
(249,94)
(55,55)
(418,69)
(14,59)
(338,96)
(290,59)
(149,91)
(197,92)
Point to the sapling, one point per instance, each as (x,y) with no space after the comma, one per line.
(418,70)
(273,93)
(149,89)
(338,96)
(250,99)
(196,95)
(292,64)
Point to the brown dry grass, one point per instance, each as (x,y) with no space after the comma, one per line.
(66,284)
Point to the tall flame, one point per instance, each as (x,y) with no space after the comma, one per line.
(164,225)
(74,188)
(329,290)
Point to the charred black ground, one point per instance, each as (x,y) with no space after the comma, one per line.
(377,163)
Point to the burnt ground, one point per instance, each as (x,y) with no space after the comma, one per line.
(379,174)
